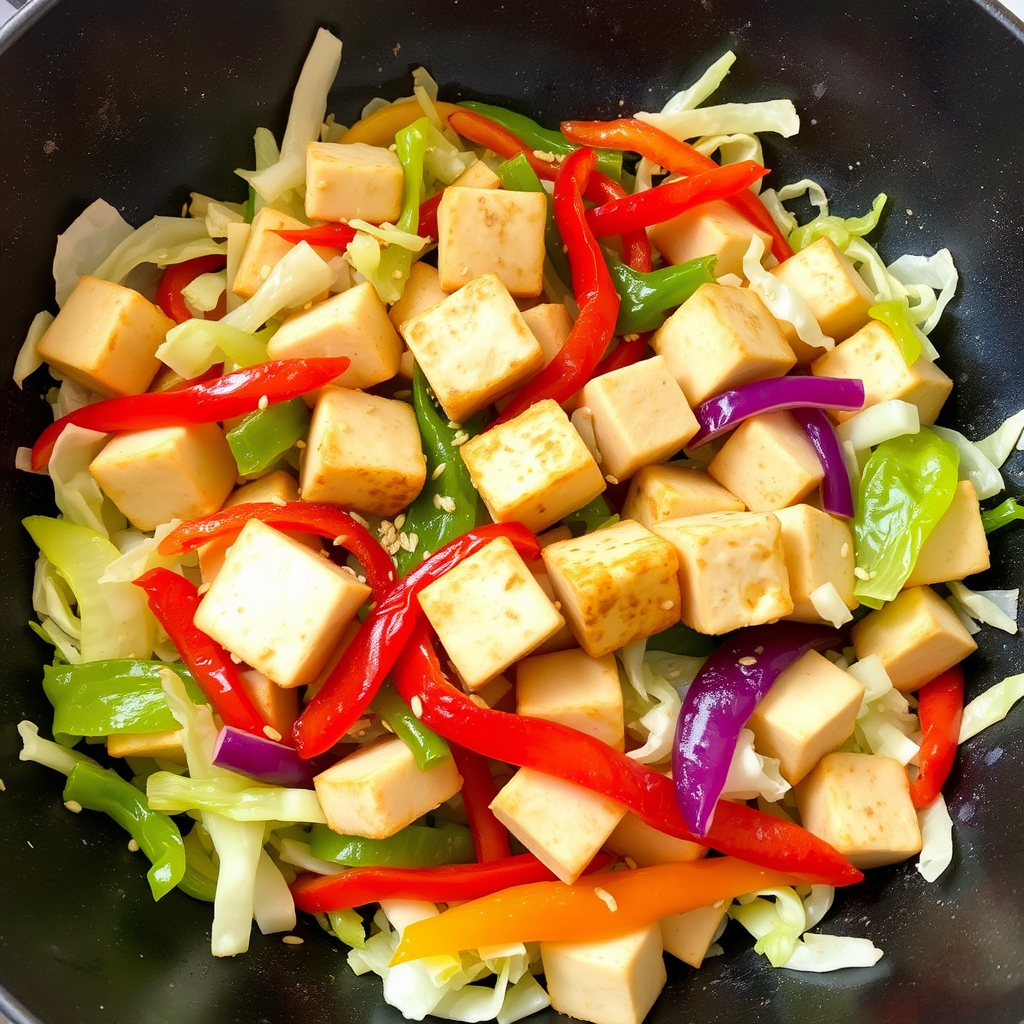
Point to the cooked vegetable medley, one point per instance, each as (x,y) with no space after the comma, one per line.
(525,549)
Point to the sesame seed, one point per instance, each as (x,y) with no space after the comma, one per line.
(861,574)
(133,846)
(399,521)
(321,184)
(424,554)
(748,660)
(452,425)
(271,733)
(630,337)
(263,402)
(548,158)
(417,705)
(460,438)
(444,503)
(292,940)
(3,788)
(759,649)
(403,394)
(235,658)
(73,806)
(278,501)
(611,479)
(844,550)
(391,577)
(264,272)
(630,863)
(414,539)
(203,588)
(606,898)
(396,275)
(441,467)
(668,605)
(358,518)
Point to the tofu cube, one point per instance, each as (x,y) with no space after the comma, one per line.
(380,789)
(818,550)
(563,825)
(957,546)
(349,181)
(916,636)
(608,981)
(572,688)
(732,569)
(720,338)
(363,452)
(534,468)
(640,416)
(489,612)
(353,323)
(860,804)
(154,476)
(689,936)
(835,293)
(616,585)
(473,347)
(278,606)
(663,492)
(550,323)
(264,249)
(492,231)
(105,338)
(278,705)
(768,463)
(422,290)
(478,175)
(809,711)
(711,229)
(165,745)
(645,846)
(563,640)
(873,356)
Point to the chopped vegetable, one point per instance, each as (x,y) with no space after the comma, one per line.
(415,846)
(264,759)
(1009,511)
(263,436)
(940,708)
(176,278)
(645,297)
(490,839)
(427,747)
(836,489)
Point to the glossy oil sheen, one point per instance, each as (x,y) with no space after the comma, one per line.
(137,102)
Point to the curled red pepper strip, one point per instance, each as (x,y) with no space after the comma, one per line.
(428,216)
(234,394)
(178,276)
(173,600)
(317,894)
(490,838)
(328,236)
(663,202)
(940,708)
(675,156)
(595,292)
(354,682)
(577,757)
(314,517)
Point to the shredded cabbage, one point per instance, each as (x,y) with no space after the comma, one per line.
(89,239)
(878,423)
(829,605)
(991,706)
(777,116)
(703,88)
(996,447)
(752,774)
(233,796)
(974,465)
(75,491)
(161,240)
(936,839)
(923,276)
(45,752)
(982,607)
(203,293)
(29,360)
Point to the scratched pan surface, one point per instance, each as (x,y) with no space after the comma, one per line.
(139,102)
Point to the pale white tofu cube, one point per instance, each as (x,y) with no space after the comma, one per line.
(720,338)
(478,175)
(640,416)
(154,476)
(551,324)
(608,981)
(473,347)
(422,290)
(616,585)
(349,181)
(492,231)
(732,569)
(711,229)
(917,636)
(534,468)
(663,492)
(860,804)
(572,688)
(809,711)
(105,338)
(819,550)
(646,847)
(353,323)
(278,606)
(689,936)
(957,546)
(768,463)
(563,825)
(278,705)
(873,356)
(489,612)
(380,789)
(264,249)
(563,640)
(363,452)
(165,745)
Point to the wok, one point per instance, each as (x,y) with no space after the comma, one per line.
(139,102)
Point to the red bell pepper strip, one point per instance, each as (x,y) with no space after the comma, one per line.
(329,236)
(675,156)
(490,838)
(663,202)
(940,707)
(178,276)
(314,517)
(354,681)
(317,894)
(576,757)
(174,600)
(428,216)
(595,292)
(234,394)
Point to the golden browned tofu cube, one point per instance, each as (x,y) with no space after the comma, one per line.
(689,936)
(616,585)
(645,846)
(860,804)
(422,290)
(551,324)
(165,745)
(663,492)
(957,546)
(349,181)
(264,249)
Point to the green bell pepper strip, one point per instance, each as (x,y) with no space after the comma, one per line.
(546,140)
(415,846)
(906,487)
(200,878)
(1002,515)
(428,517)
(263,436)
(644,298)
(101,789)
(98,698)
(592,516)
(429,749)
(895,314)
(518,176)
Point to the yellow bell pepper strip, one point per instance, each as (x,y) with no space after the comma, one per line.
(594,907)
(380,127)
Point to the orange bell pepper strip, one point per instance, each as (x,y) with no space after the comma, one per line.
(379,128)
(594,907)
